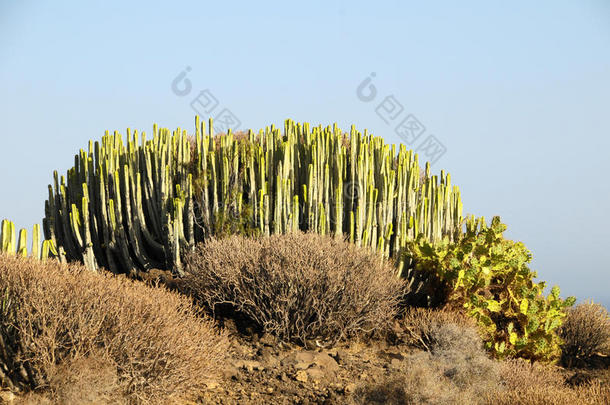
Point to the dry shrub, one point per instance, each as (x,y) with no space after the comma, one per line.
(87,380)
(519,372)
(300,287)
(591,394)
(54,317)
(541,384)
(421,383)
(418,325)
(459,353)
(586,332)
(456,370)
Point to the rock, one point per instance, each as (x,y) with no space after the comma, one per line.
(316,374)
(249,365)
(350,388)
(395,363)
(340,356)
(230,372)
(301,376)
(305,359)
(266,355)
(6,397)
(269,390)
(268,340)
(212,385)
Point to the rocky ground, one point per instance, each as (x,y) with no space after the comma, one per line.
(265,371)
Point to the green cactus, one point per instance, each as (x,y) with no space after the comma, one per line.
(488,277)
(139,203)
(12,245)
(7,237)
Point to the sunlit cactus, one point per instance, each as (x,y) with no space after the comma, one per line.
(13,245)
(139,203)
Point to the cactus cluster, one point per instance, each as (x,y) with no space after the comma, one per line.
(140,204)
(12,244)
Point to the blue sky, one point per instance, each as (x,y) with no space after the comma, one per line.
(517,92)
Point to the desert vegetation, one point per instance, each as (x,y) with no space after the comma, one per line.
(298,287)
(147,343)
(280,259)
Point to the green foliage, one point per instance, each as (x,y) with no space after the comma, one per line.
(235,223)
(488,277)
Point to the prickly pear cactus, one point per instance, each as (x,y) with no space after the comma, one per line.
(488,277)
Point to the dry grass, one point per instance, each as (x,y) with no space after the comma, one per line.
(60,320)
(586,332)
(299,287)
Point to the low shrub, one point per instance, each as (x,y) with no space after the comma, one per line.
(526,383)
(487,276)
(55,316)
(89,380)
(585,332)
(456,370)
(300,287)
(418,325)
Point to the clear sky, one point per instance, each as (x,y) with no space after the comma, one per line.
(517,93)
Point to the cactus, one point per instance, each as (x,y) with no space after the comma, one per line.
(10,244)
(139,203)
(489,278)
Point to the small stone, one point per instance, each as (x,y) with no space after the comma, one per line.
(301,376)
(302,365)
(349,388)
(7,397)
(339,355)
(316,373)
(395,363)
(249,365)
(268,340)
(269,390)
(212,385)
(230,372)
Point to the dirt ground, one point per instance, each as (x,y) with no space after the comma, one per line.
(264,371)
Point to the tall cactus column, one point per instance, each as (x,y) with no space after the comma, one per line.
(10,244)
(139,203)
